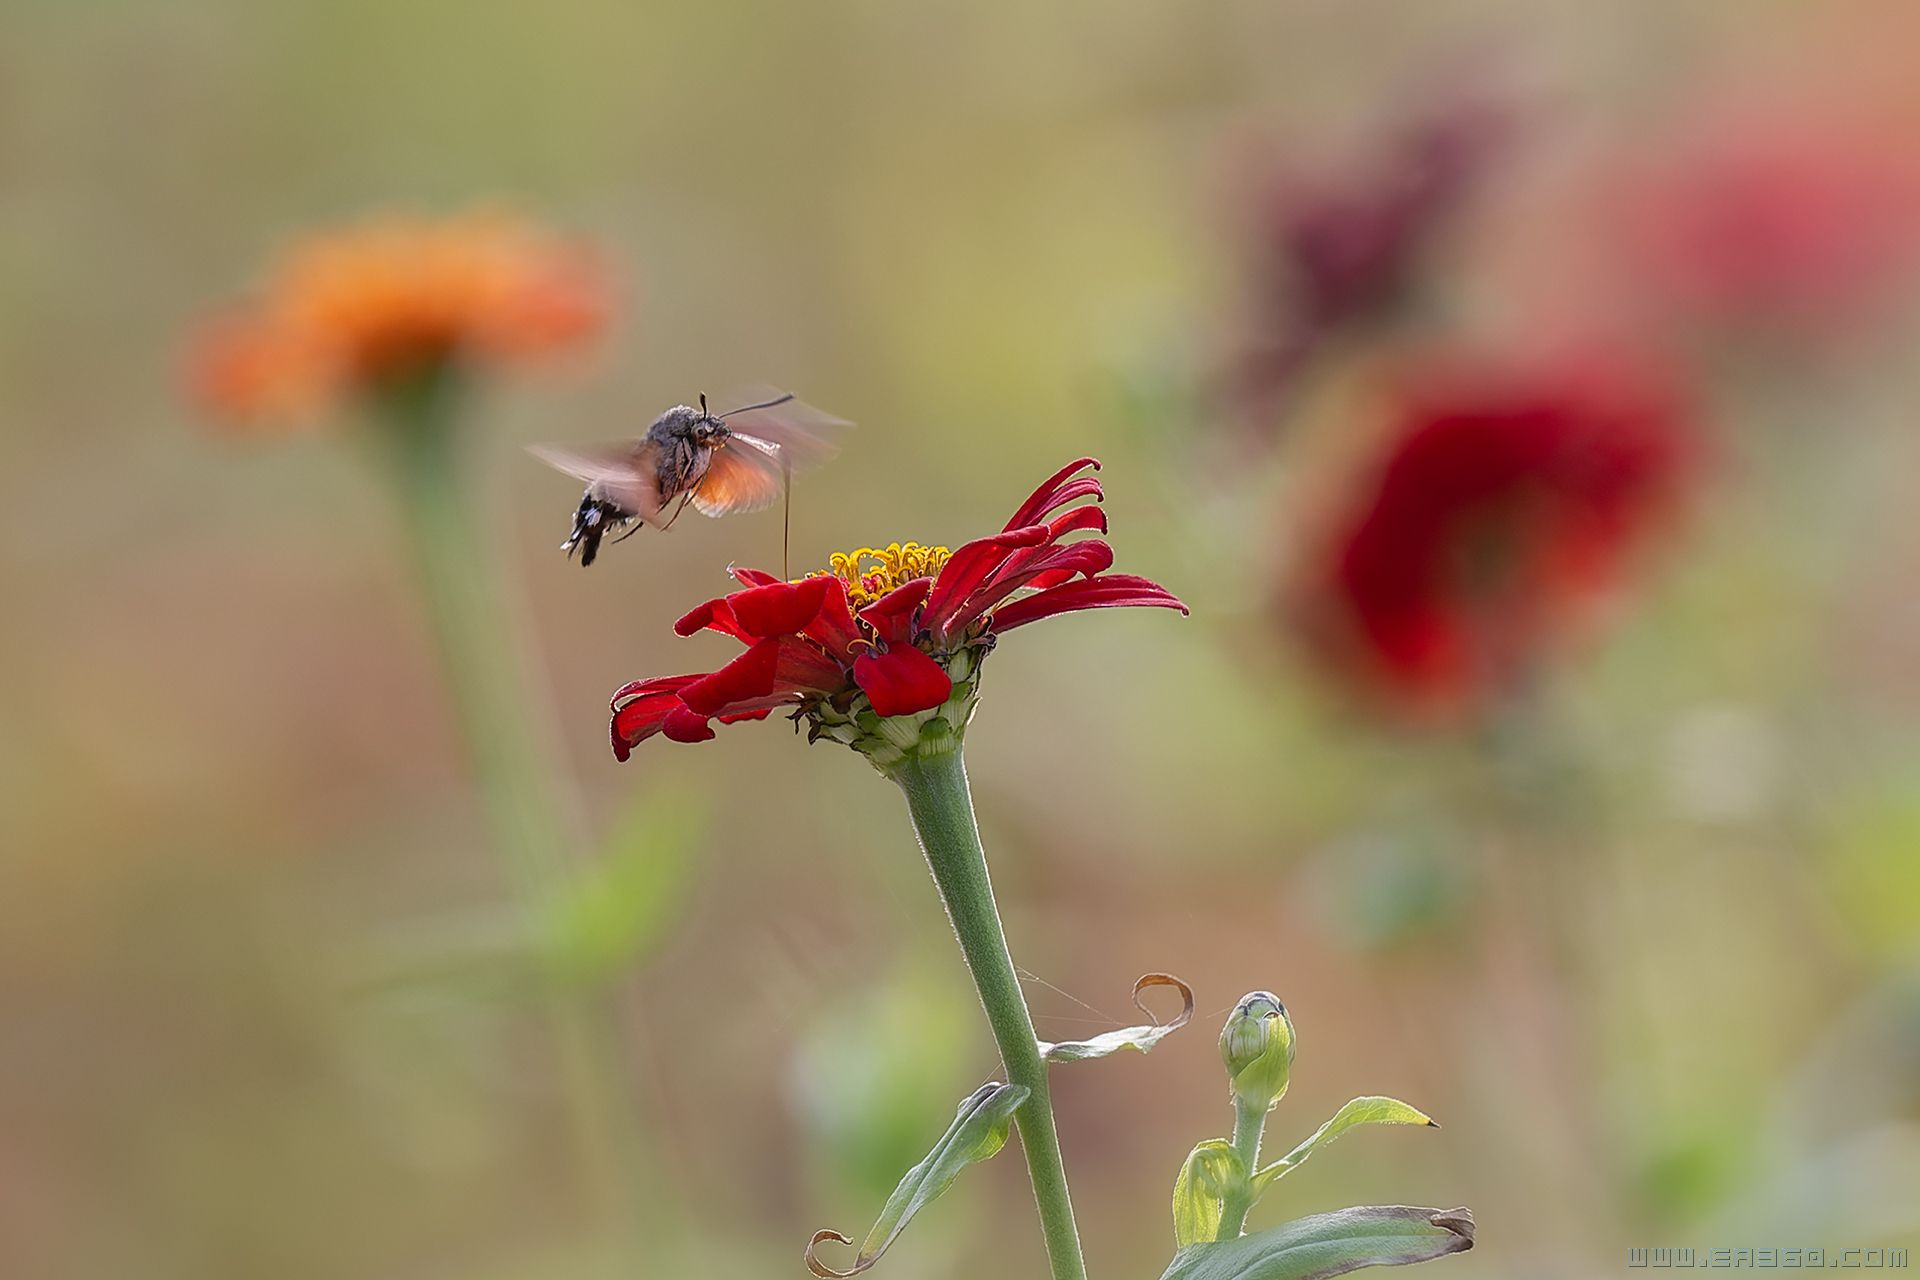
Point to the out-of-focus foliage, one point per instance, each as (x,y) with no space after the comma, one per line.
(605,923)
(878,1061)
(1646,939)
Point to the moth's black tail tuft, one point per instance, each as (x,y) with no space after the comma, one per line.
(593,521)
(589,539)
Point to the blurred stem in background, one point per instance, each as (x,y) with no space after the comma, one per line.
(530,825)
(941,804)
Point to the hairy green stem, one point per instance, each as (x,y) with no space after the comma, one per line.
(942,809)
(530,826)
(1249,1123)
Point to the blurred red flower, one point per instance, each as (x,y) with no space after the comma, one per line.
(1336,249)
(886,640)
(1758,219)
(354,311)
(1505,501)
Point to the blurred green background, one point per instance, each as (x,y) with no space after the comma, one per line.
(1650,958)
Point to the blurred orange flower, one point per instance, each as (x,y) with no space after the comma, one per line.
(354,311)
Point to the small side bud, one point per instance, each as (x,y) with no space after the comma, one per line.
(1257,1047)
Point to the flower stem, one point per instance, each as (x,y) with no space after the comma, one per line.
(1249,1123)
(472,633)
(530,826)
(942,808)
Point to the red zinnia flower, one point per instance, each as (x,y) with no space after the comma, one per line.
(357,310)
(1504,502)
(883,651)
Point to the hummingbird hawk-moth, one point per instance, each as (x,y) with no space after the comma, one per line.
(718,463)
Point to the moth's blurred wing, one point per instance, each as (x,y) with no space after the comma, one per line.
(623,473)
(808,435)
(746,475)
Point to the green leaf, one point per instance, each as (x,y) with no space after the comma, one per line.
(1200,1192)
(1358,1112)
(1141,1038)
(1330,1244)
(978,1131)
(602,922)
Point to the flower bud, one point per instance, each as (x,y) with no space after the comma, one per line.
(1257,1047)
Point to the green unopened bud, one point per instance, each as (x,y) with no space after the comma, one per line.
(1257,1047)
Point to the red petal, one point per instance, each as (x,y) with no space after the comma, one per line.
(655,685)
(778,608)
(752,577)
(969,567)
(761,610)
(716,615)
(1087,557)
(804,668)
(890,615)
(683,724)
(1106,592)
(1044,566)
(902,680)
(834,627)
(756,708)
(747,677)
(1077,519)
(1073,491)
(1043,500)
(634,723)
(641,709)
(772,671)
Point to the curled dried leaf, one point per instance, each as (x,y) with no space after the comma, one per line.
(826,1272)
(1142,1038)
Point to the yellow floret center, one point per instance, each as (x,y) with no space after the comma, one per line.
(869,573)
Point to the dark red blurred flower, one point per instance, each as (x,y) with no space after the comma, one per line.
(1505,501)
(1335,250)
(876,649)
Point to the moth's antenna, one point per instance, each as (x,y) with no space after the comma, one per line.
(764,404)
(703,405)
